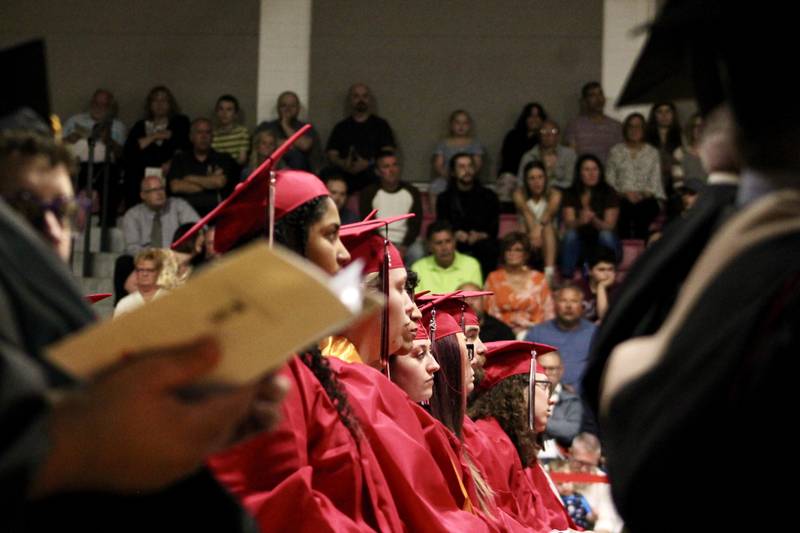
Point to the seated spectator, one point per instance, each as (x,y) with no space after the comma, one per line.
(687,193)
(302,155)
(584,457)
(230,137)
(191,253)
(569,332)
(472,210)
(521,296)
(101,124)
(593,132)
(264,143)
(522,138)
(393,196)
(558,160)
(150,224)
(356,140)
(576,503)
(663,132)
(565,420)
(590,209)
(148,264)
(537,205)
(599,285)
(154,140)
(687,163)
(201,175)
(460,140)
(445,269)
(491,328)
(634,171)
(337,186)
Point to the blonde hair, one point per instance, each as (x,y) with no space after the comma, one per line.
(169,277)
(256,158)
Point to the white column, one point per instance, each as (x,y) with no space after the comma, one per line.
(621,47)
(284,52)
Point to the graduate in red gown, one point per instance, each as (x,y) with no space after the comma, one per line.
(510,424)
(314,472)
(420,457)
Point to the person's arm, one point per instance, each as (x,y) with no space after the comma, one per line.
(184,186)
(129,431)
(548,307)
(520,203)
(602,296)
(438,164)
(303,143)
(570,217)
(612,177)
(490,301)
(654,177)
(553,203)
(609,220)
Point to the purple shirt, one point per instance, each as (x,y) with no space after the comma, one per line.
(591,137)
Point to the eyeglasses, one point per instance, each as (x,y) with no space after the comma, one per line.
(470,352)
(70,212)
(545,385)
(146,270)
(551,131)
(155,189)
(581,466)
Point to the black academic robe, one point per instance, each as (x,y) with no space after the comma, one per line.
(701,442)
(646,296)
(39,304)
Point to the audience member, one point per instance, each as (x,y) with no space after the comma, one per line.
(393,196)
(356,140)
(578,507)
(521,296)
(202,175)
(190,254)
(634,171)
(687,163)
(599,284)
(149,264)
(445,269)
(303,154)
(264,143)
(522,138)
(569,332)
(150,224)
(491,329)
(460,140)
(589,210)
(337,186)
(584,457)
(154,140)
(472,210)
(663,132)
(565,420)
(537,205)
(593,132)
(230,137)
(558,160)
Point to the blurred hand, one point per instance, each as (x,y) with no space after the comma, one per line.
(461,236)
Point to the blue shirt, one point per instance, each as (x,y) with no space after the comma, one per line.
(573,345)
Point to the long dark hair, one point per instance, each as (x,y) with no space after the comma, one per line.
(448,401)
(292,231)
(578,188)
(505,402)
(174,109)
(651,136)
(521,126)
(531,165)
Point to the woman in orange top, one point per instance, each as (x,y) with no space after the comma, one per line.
(521,295)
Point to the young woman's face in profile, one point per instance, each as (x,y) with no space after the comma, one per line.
(466,364)
(414,372)
(400,309)
(324,248)
(543,406)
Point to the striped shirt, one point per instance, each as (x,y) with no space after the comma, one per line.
(233,142)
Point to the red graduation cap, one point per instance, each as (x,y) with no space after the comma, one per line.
(439,322)
(245,211)
(96,297)
(422,332)
(379,255)
(456,305)
(511,358)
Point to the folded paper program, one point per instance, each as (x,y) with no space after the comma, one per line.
(261,305)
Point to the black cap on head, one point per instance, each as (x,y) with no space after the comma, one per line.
(24,95)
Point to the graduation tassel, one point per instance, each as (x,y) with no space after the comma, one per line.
(271,208)
(385,315)
(532,392)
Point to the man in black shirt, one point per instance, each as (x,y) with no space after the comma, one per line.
(472,210)
(356,140)
(202,176)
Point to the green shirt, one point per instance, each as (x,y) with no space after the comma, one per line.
(432,277)
(233,142)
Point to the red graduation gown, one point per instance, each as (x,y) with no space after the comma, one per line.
(549,502)
(421,462)
(498,457)
(309,474)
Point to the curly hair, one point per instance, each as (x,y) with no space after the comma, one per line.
(505,402)
(292,230)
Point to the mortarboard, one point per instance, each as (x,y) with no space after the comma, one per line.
(379,255)
(245,212)
(422,332)
(25,96)
(94,298)
(511,358)
(439,322)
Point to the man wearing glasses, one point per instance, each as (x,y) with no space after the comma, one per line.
(557,159)
(150,224)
